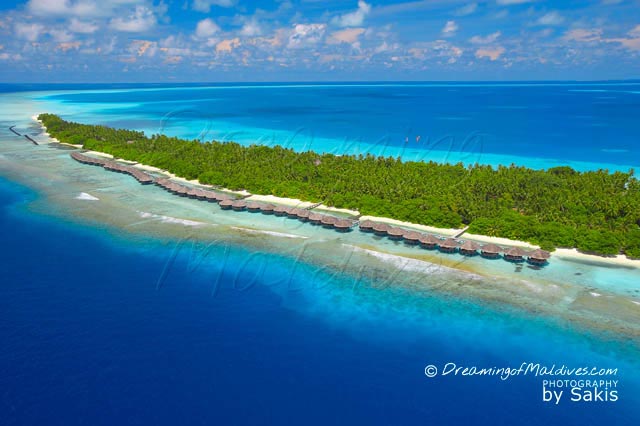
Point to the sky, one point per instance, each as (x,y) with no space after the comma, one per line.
(108,41)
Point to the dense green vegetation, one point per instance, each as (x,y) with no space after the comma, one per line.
(596,212)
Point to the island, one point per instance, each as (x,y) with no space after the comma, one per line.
(597,212)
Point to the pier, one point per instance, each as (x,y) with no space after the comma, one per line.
(12,128)
(30,139)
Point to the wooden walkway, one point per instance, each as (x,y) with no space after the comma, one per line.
(459,234)
(13,131)
(29,138)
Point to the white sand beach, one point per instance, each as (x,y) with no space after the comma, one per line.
(619,260)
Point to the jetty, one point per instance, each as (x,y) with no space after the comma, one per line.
(12,128)
(30,139)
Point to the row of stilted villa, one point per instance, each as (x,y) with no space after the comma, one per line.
(227,201)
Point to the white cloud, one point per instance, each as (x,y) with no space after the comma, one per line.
(205,5)
(29,32)
(450,29)
(487,39)
(61,36)
(48,7)
(304,35)
(583,35)
(348,36)
(227,45)
(144,47)
(551,18)
(206,28)
(353,19)
(141,20)
(77,8)
(65,47)
(81,27)
(632,42)
(467,10)
(491,53)
(251,28)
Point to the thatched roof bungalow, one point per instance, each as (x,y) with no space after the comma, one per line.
(469,248)
(239,205)
(303,215)
(491,251)
(539,257)
(412,237)
(429,241)
(253,206)
(315,217)
(366,226)
(226,204)
(293,213)
(344,225)
(281,210)
(515,254)
(396,233)
(267,208)
(329,221)
(381,228)
(448,246)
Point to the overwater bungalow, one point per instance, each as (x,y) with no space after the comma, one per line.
(315,217)
(181,190)
(293,213)
(428,241)
(395,233)
(515,254)
(210,196)
(303,215)
(329,221)
(469,248)
(254,207)
(239,205)
(448,246)
(226,204)
(366,226)
(539,257)
(281,210)
(412,237)
(144,178)
(381,228)
(490,251)
(267,208)
(343,225)
(191,192)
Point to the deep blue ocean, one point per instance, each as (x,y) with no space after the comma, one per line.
(100,328)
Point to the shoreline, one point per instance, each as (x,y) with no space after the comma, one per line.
(565,253)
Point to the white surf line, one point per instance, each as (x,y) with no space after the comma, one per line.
(86,197)
(170,219)
(406,263)
(272,233)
